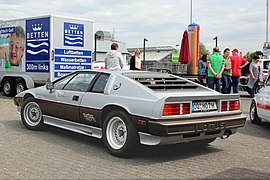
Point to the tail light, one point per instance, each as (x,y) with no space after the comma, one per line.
(230,105)
(176,109)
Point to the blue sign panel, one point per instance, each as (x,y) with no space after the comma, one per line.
(72,67)
(64,59)
(60,74)
(37,39)
(70,52)
(73,34)
(7,30)
(37,66)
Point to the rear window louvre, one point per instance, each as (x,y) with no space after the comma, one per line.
(157,83)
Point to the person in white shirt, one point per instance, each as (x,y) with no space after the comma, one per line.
(114,59)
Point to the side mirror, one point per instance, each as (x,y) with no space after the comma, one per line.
(49,86)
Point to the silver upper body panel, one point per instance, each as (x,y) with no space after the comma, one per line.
(127,90)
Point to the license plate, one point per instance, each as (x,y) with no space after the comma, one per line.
(202,106)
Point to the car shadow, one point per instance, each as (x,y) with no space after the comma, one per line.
(89,146)
(146,154)
(175,151)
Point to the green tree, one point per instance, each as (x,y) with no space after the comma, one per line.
(202,49)
(249,55)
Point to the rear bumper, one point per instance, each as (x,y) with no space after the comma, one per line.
(172,132)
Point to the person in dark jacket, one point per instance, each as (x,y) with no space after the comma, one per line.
(135,62)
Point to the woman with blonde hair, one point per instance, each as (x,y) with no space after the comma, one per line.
(135,61)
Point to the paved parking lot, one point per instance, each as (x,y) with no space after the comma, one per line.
(54,153)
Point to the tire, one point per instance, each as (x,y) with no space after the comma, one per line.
(119,135)
(253,115)
(31,114)
(8,87)
(20,86)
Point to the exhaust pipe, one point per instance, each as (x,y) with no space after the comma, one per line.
(226,134)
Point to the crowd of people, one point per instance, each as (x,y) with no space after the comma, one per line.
(223,71)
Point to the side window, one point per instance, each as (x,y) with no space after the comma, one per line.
(80,82)
(62,82)
(100,83)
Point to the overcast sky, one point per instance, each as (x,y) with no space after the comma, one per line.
(237,23)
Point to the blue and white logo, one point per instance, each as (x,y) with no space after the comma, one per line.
(73,34)
(37,39)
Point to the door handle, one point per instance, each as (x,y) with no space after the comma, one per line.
(75,98)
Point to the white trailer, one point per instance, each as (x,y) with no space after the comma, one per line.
(35,50)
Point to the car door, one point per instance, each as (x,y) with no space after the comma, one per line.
(93,101)
(49,100)
(67,95)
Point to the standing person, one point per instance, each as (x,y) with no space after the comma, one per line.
(202,65)
(135,61)
(226,75)
(237,64)
(254,76)
(114,59)
(215,69)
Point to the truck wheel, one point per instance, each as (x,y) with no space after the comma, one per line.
(8,87)
(253,115)
(31,114)
(119,134)
(20,86)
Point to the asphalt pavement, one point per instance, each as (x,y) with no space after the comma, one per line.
(58,154)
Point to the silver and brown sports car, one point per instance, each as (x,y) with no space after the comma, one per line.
(128,108)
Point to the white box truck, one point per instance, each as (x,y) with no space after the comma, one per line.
(35,50)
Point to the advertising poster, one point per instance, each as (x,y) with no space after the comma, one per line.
(38,45)
(12,45)
(72,47)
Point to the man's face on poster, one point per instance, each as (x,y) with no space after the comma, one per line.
(16,50)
